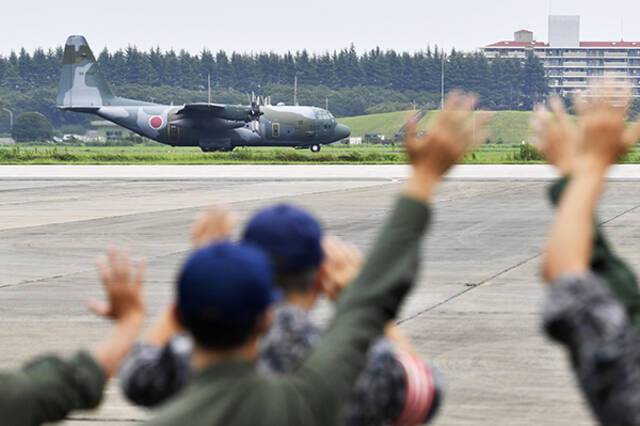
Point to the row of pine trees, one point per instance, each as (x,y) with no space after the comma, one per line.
(501,84)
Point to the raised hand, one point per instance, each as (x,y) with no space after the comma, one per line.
(556,137)
(454,131)
(341,266)
(603,136)
(215,224)
(122,282)
(603,130)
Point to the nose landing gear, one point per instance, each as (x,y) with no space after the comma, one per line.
(315,148)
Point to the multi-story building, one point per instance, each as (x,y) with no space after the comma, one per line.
(570,63)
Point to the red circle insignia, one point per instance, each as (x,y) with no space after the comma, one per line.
(156,122)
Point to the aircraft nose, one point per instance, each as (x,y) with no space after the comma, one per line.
(342,132)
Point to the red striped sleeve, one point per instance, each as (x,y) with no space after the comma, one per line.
(419,390)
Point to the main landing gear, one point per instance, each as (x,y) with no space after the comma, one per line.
(315,148)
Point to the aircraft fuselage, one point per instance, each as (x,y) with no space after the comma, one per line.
(277,126)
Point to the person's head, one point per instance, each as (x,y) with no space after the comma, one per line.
(224,292)
(293,239)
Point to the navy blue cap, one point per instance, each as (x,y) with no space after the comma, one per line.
(226,281)
(290,235)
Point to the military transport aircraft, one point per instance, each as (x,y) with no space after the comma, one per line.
(211,126)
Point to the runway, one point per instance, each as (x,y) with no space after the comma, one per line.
(289,172)
(474,312)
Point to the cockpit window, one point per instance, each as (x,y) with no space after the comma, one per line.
(324,115)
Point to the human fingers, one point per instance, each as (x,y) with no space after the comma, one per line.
(469,102)
(198,228)
(412,141)
(330,249)
(341,250)
(619,96)
(99,308)
(539,120)
(121,267)
(354,254)
(216,224)
(139,273)
(126,267)
(480,134)
(342,258)
(462,113)
(453,100)
(113,258)
(632,134)
(557,108)
(610,94)
(580,103)
(104,271)
(454,110)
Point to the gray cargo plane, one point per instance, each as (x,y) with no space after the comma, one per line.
(210,126)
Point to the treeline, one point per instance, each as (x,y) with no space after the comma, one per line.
(406,78)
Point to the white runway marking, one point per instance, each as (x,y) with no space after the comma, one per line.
(289,172)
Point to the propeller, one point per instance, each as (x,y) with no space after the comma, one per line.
(254,111)
(255,103)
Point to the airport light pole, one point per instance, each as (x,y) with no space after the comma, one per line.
(10,119)
(442,82)
(473,115)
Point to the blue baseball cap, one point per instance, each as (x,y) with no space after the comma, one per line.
(226,282)
(290,235)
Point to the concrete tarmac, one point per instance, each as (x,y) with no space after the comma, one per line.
(474,312)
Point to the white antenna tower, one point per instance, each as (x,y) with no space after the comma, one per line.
(295,90)
(209,87)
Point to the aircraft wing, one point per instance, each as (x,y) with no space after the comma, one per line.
(225,112)
(202,108)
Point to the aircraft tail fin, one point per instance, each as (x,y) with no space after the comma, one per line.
(82,85)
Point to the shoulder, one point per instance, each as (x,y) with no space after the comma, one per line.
(214,400)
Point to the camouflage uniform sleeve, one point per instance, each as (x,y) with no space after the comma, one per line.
(326,379)
(49,388)
(379,394)
(151,375)
(581,314)
(604,262)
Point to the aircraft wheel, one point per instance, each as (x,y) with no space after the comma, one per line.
(315,148)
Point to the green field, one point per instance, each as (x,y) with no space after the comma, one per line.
(338,154)
(507,131)
(507,127)
(387,124)
(161,154)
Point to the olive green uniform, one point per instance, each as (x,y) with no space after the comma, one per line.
(620,279)
(48,388)
(234,393)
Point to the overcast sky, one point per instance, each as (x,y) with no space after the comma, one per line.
(281,25)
